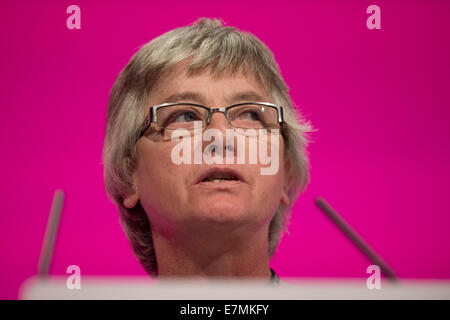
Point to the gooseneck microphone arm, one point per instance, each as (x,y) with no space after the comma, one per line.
(51,231)
(356,239)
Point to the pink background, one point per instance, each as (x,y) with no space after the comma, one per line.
(379,98)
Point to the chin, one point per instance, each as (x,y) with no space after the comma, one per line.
(223,212)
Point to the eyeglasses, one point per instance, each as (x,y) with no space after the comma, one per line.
(182,115)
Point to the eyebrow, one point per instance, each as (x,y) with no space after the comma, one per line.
(185,96)
(247,96)
(190,96)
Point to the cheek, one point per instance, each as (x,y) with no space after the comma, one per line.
(270,187)
(153,162)
(158,179)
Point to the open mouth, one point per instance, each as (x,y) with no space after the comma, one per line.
(220,175)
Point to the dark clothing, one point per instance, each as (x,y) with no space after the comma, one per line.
(274,278)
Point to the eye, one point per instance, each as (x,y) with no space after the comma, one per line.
(187,116)
(252,115)
(249,115)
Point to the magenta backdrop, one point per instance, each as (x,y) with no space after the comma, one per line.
(379,98)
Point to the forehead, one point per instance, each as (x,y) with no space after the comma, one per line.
(204,87)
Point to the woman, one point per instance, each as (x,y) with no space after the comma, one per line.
(203,218)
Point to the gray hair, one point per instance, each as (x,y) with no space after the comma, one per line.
(207,45)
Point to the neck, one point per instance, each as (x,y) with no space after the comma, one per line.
(199,253)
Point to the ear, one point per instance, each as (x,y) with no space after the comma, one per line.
(131,199)
(287,182)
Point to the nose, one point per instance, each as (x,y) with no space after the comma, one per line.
(219,120)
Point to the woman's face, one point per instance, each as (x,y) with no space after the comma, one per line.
(174,196)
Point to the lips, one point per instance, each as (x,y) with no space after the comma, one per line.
(219,175)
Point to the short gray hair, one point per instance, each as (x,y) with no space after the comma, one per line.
(207,45)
